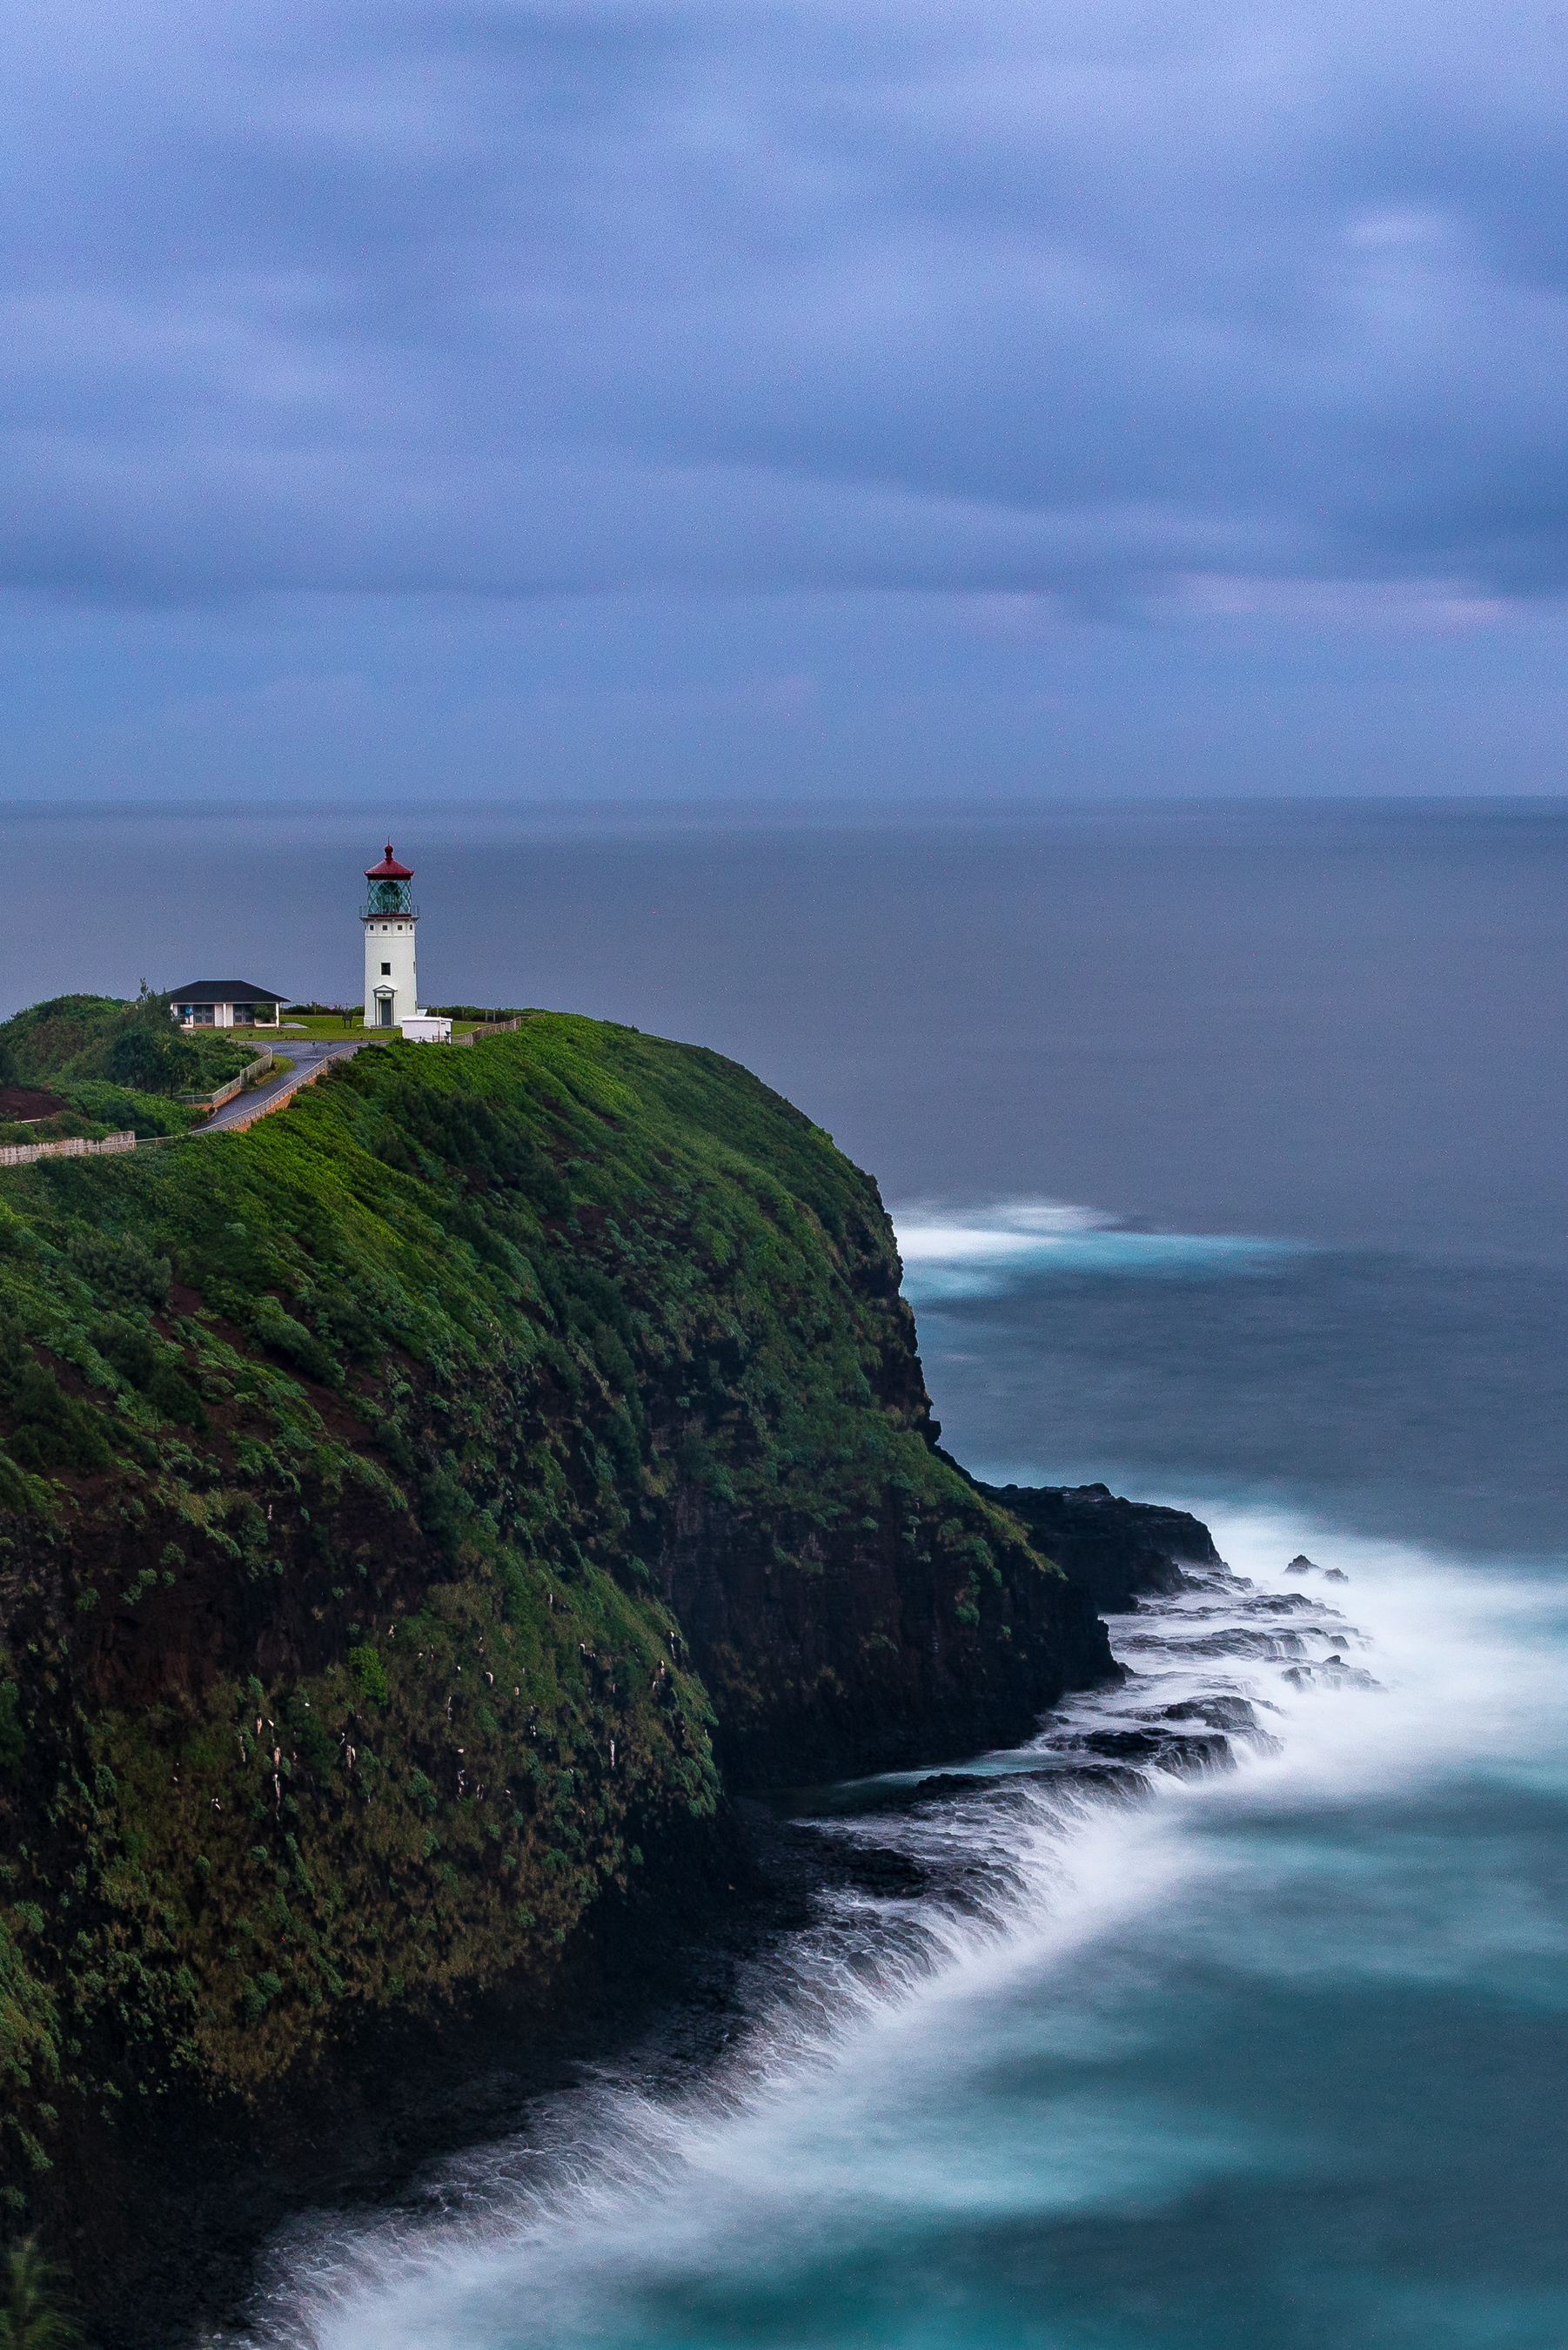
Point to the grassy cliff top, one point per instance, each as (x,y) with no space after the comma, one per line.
(454,1212)
(397,1500)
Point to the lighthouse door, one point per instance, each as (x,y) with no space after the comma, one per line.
(383,1011)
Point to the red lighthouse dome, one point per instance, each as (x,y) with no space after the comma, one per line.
(389,869)
(387,889)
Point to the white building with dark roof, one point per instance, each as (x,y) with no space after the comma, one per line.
(226,1004)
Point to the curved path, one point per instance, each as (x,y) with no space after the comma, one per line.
(310,1061)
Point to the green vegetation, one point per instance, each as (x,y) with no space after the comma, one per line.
(351,1470)
(475,1015)
(31,2317)
(118,1065)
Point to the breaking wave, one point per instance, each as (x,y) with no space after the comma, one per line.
(978,1252)
(938,2095)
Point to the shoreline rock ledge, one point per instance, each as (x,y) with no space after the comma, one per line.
(1114,1551)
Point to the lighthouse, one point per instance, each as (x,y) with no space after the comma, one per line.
(389,917)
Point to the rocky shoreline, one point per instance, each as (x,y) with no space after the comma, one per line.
(653,1989)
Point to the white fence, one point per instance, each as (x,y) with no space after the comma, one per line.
(248,1075)
(21,1154)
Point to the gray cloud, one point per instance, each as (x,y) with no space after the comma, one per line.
(522,300)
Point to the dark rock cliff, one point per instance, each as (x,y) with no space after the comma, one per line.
(1111,1550)
(847,1664)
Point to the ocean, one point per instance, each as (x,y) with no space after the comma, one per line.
(1225,1145)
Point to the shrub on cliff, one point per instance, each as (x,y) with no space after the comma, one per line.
(31,2315)
(127,1045)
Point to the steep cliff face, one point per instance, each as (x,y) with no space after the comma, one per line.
(409,1510)
(843,1659)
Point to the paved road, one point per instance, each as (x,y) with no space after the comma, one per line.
(309,1059)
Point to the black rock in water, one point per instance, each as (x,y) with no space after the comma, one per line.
(1218,1713)
(1302,1564)
(1332,1673)
(1112,1549)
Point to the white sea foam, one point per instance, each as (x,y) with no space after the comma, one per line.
(978,1252)
(857,2108)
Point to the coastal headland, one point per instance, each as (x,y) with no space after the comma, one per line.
(421,1515)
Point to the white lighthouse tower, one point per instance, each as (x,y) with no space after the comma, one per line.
(390,919)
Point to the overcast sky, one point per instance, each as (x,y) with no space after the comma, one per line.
(977,399)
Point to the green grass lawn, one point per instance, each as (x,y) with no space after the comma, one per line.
(328,1031)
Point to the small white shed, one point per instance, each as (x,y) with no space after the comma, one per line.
(427,1028)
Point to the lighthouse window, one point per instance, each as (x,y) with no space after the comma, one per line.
(386,970)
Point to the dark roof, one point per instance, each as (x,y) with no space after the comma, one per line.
(224,991)
(389,869)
